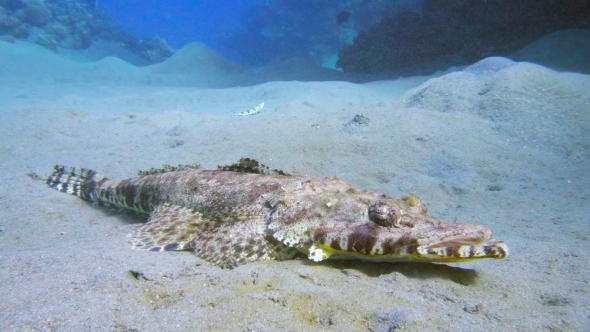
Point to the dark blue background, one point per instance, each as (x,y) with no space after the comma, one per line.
(179,22)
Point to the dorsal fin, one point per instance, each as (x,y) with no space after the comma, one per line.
(168,168)
(247,165)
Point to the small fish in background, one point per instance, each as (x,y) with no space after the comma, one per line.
(253,111)
(246,212)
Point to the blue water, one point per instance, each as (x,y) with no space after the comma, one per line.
(398,37)
(251,32)
(254,32)
(180,22)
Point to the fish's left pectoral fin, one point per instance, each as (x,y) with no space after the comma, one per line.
(226,243)
(169,228)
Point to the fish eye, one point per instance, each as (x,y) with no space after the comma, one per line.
(382,214)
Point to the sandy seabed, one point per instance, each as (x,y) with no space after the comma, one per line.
(500,143)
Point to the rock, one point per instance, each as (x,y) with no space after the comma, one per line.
(36,13)
(39,36)
(473,308)
(73,25)
(154,50)
(566,50)
(7,38)
(456,33)
(358,121)
(394,318)
(7,21)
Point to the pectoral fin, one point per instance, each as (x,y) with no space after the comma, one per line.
(225,243)
(169,228)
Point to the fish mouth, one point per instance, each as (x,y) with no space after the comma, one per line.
(474,239)
(453,249)
(451,253)
(465,247)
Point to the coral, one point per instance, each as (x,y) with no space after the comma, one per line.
(36,13)
(154,49)
(7,38)
(74,25)
(38,36)
(7,22)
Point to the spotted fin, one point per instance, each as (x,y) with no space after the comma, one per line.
(169,228)
(226,244)
(247,165)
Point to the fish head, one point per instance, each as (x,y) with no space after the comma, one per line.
(334,220)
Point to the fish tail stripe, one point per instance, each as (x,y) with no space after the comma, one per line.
(75,182)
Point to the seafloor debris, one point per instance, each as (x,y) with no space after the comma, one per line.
(357,121)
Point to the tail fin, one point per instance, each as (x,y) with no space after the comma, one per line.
(69,180)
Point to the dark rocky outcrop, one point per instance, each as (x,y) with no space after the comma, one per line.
(458,32)
(74,25)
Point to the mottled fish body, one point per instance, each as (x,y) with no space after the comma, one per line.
(246,212)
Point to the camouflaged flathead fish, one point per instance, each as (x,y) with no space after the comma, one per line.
(246,212)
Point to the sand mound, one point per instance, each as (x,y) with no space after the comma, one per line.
(197,65)
(28,61)
(197,59)
(526,101)
(101,49)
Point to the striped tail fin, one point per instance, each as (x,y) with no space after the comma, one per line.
(81,183)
